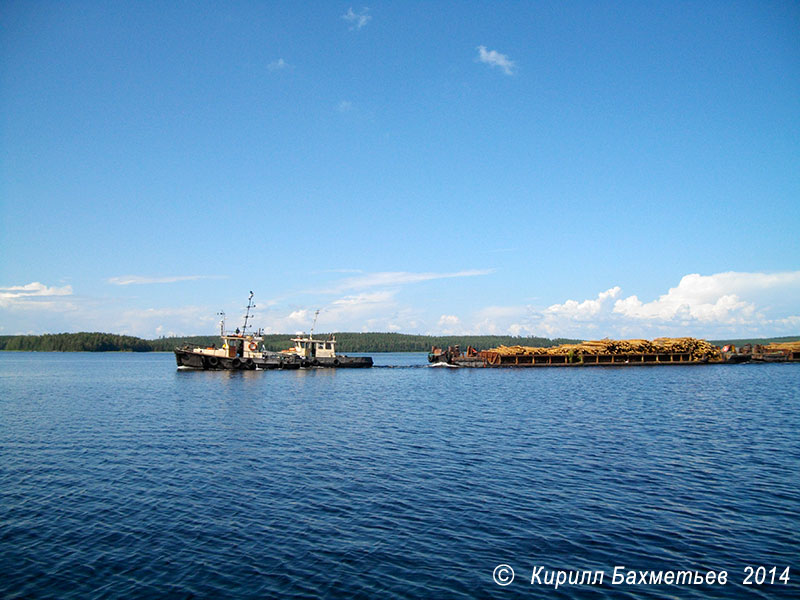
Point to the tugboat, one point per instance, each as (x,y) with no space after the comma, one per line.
(239,352)
(322,353)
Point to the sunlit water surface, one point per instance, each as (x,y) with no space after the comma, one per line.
(121,476)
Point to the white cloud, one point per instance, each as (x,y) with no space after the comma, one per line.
(278,65)
(582,311)
(720,305)
(154,322)
(449,325)
(34,294)
(357,20)
(723,304)
(712,306)
(710,298)
(142,280)
(356,312)
(344,106)
(299,317)
(495,59)
(395,278)
(497,320)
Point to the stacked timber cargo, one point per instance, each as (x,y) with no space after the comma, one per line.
(658,351)
(782,352)
(784,347)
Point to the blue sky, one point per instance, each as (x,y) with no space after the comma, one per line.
(581,169)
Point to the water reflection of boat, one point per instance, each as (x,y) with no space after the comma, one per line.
(322,353)
(239,351)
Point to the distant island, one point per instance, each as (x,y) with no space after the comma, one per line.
(347,342)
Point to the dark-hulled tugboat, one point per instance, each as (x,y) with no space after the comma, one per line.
(240,351)
(322,353)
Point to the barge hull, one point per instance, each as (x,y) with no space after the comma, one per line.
(339,362)
(495,360)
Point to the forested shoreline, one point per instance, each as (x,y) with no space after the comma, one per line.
(347,342)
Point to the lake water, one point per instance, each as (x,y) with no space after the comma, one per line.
(123,477)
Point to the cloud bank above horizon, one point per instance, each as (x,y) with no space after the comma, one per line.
(730,304)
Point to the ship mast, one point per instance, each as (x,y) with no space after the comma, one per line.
(221,323)
(314,324)
(247,314)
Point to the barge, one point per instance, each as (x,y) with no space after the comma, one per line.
(616,353)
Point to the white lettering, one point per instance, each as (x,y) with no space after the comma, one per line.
(655,577)
(535,579)
(559,580)
(682,576)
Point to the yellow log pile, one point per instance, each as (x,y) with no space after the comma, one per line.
(783,347)
(697,349)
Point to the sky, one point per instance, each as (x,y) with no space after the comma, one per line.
(564,169)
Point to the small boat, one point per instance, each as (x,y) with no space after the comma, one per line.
(239,351)
(322,353)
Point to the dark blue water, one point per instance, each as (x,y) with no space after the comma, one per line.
(122,477)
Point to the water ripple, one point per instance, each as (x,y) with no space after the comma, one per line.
(122,477)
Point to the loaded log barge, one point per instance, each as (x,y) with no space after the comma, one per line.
(616,353)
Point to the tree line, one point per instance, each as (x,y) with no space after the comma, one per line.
(347,342)
(74,342)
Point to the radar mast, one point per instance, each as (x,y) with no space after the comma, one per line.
(250,306)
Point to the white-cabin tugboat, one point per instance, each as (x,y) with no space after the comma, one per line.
(322,353)
(239,351)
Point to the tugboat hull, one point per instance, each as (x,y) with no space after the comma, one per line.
(186,358)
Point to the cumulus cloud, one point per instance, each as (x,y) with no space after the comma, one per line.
(494,59)
(34,289)
(449,325)
(344,106)
(142,280)
(583,311)
(497,320)
(724,304)
(710,298)
(34,294)
(357,20)
(731,304)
